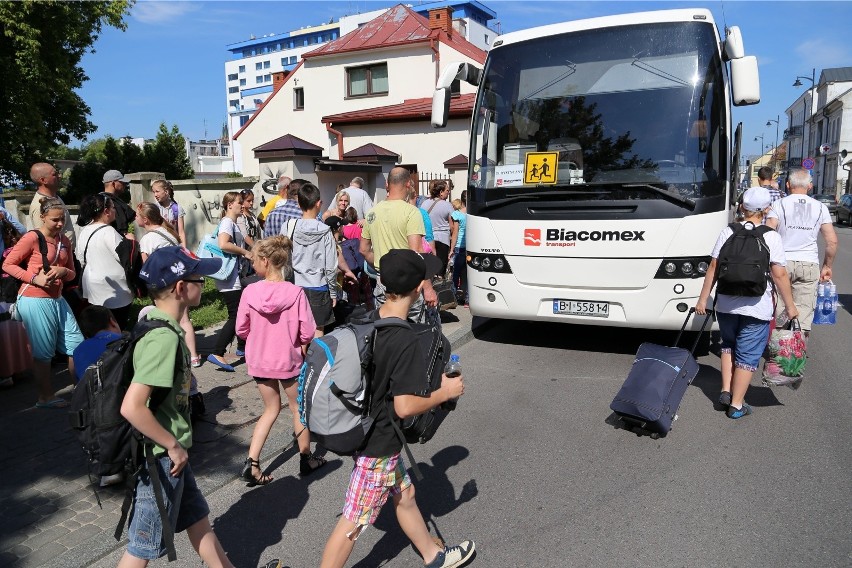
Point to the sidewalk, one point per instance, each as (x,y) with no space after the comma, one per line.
(49,513)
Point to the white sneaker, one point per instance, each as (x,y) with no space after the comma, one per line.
(107,480)
(453,556)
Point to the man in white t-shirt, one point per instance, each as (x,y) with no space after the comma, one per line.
(799,219)
(358,198)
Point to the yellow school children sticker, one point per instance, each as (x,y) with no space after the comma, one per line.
(540,167)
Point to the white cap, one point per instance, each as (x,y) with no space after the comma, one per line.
(756,199)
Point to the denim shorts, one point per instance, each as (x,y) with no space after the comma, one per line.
(745,337)
(184,503)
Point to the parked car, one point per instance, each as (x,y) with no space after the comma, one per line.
(844,210)
(829,200)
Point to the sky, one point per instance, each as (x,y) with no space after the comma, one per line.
(168,66)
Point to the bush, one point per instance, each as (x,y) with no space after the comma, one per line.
(209,312)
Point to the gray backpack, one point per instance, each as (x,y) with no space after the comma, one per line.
(335,386)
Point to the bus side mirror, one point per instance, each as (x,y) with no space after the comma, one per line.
(745,81)
(441,107)
(734,48)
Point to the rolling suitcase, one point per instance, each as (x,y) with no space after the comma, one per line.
(15,353)
(655,386)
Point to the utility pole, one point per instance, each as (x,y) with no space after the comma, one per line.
(775,151)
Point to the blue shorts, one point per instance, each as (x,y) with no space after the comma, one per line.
(50,325)
(184,502)
(745,337)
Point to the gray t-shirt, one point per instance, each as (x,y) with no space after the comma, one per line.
(439,213)
(35,219)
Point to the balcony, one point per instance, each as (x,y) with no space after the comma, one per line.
(793,132)
(794,162)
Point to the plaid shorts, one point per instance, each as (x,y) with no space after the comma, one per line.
(371,482)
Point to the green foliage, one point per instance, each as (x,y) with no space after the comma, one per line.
(85,179)
(233,175)
(41,45)
(209,312)
(169,153)
(113,157)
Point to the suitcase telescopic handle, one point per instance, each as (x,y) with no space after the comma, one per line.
(710,314)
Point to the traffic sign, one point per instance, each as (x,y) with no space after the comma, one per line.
(540,167)
(808,163)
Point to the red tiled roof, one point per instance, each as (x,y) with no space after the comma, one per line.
(286,142)
(410,109)
(269,98)
(371,151)
(459,161)
(397,26)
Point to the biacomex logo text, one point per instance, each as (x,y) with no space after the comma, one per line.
(563,238)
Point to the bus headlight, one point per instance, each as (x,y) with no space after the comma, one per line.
(488,262)
(683,267)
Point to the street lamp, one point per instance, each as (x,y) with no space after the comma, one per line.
(775,153)
(762,142)
(805,117)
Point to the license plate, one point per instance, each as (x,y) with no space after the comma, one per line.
(581,308)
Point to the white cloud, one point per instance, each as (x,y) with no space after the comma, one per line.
(156,12)
(824,53)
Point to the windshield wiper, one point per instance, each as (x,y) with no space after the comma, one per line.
(676,197)
(536,195)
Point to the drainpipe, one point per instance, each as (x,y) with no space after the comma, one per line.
(433,45)
(339,136)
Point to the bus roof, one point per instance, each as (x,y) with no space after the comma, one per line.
(684,15)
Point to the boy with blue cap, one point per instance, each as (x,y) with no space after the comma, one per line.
(174,277)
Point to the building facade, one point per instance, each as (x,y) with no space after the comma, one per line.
(361,104)
(252,63)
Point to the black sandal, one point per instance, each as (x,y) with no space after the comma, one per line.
(250,478)
(309,463)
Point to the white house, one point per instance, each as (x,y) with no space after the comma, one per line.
(252,63)
(361,104)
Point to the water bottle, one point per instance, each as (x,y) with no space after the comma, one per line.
(453,369)
(820,317)
(832,319)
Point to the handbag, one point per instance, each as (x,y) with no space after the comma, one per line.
(209,248)
(445,290)
(786,367)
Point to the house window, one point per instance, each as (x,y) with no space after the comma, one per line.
(232,77)
(243,119)
(242,68)
(266,64)
(366,81)
(298,98)
(293,59)
(234,103)
(258,80)
(224,150)
(486,39)
(242,82)
(258,66)
(232,90)
(284,61)
(267,78)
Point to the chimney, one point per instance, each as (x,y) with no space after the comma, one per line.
(278,79)
(441,19)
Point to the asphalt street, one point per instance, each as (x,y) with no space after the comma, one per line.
(532,468)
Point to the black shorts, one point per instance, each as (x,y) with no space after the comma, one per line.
(320,301)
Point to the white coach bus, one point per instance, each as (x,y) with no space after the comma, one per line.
(602,166)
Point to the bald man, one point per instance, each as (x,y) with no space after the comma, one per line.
(283,186)
(46,179)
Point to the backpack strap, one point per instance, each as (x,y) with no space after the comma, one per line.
(86,248)
(42,249)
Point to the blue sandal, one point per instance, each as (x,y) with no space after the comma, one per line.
(221,364)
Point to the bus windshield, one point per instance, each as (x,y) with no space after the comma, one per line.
(629,112)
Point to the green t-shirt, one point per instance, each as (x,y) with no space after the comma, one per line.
(154,365)
(389,224)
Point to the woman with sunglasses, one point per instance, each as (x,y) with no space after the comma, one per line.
(104,280)
(48,319)
(247,222)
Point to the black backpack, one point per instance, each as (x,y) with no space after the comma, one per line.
(743,263)
(111,444)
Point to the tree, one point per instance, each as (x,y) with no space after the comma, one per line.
(113,156)
(41,45)
(168,154)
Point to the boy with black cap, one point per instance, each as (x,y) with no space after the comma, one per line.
(174,277)
(379,471)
